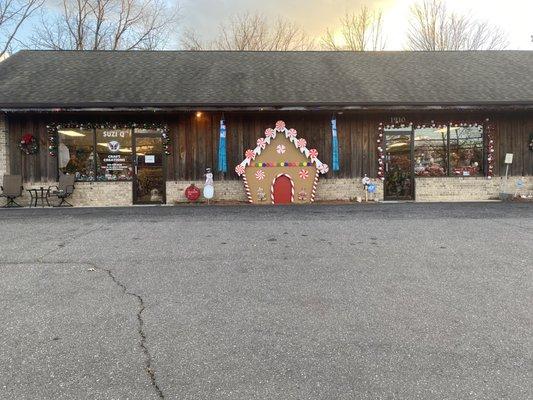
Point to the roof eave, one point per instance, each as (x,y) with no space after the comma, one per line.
(302,106)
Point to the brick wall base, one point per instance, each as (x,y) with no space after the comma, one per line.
(224,191)
(92,194)
(97,194)
(328,190)
(466,189)
(345,190)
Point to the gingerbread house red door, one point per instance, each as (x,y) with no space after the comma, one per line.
(282,190)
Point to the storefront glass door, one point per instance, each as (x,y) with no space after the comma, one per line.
(399,178)
(149,174)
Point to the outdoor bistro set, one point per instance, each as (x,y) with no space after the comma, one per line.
(12,189)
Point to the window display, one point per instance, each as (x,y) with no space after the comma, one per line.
(114,154)
(76,153)
(431,151)
(466,150)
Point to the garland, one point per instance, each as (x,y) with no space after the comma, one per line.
(52,130)
(52,140)
(490,149)
(381,153)
(28,144)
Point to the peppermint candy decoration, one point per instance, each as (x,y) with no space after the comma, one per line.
(249,154)
(261,143)
(301,143)
(239,169)
(323,168)
(280,125)
(304,174)
(313,153)
(270,133)
(292,133)
(280,149)
(260,175)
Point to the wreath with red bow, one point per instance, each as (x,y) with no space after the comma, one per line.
(28,144)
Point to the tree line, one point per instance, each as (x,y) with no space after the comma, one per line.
(149,24)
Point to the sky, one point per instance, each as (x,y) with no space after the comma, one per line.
(315,16)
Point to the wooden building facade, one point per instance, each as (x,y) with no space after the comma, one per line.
(380,120)
(194,138)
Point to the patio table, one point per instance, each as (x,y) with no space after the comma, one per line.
(37,194)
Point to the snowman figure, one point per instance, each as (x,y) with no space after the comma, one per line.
(209,189)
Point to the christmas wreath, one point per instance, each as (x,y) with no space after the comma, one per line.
(28,144)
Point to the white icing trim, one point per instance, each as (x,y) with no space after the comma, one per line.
(293,138)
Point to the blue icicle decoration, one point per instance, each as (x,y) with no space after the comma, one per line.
(222,162)
(334,145)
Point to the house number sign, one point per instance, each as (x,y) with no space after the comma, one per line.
(398,120)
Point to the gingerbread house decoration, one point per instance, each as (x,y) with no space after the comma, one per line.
(281,169)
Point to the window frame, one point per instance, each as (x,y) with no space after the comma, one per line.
(161,127)
(486,136)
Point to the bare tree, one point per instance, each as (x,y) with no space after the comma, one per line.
(359,31)
(433,27)
(106,25)
(13,14)
(252,32)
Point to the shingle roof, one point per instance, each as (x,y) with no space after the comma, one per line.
(218,78)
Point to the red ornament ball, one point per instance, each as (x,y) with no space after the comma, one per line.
(192,193)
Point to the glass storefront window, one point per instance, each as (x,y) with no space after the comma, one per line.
(431,146)
(76,153)
(114,154)
(466,150)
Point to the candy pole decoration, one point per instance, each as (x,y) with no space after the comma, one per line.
(381,152)
(491,156)
(278,159)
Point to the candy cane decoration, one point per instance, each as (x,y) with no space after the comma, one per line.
(247,189)
(272,188)
(315,183)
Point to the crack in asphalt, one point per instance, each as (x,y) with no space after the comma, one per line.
(148,357)
(140,330)
(149,369)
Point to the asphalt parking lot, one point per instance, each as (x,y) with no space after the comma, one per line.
(388,301)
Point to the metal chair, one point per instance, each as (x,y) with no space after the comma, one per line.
(11,189)
(62,191)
